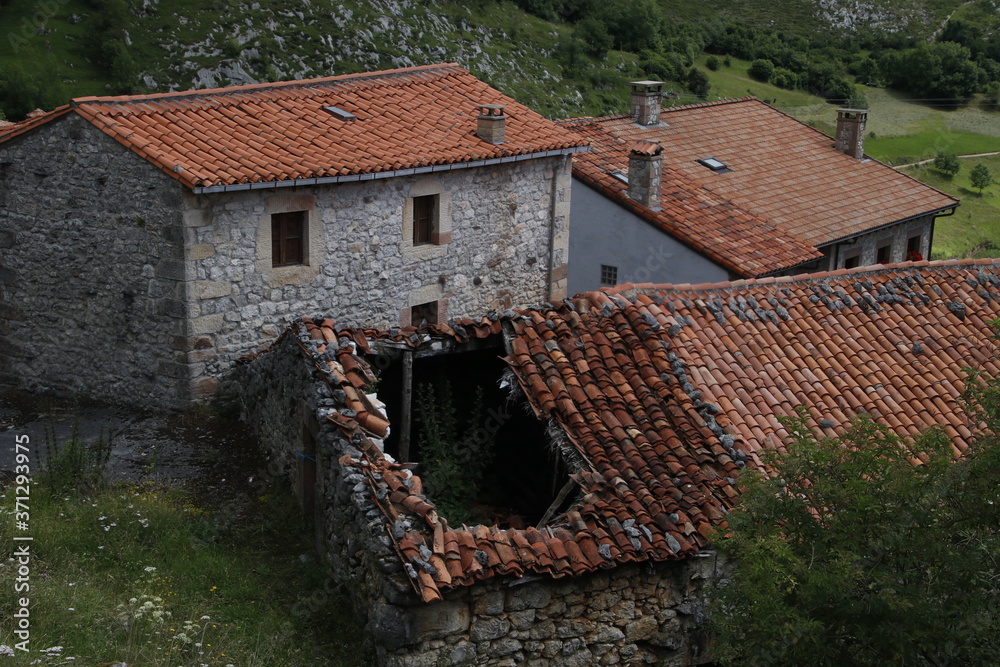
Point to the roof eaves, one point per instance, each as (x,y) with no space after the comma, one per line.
(367,176)
(872,230)
(659,220)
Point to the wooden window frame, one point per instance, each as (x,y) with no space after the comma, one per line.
(884,246)
(852,259)
(426,216)
(289,235)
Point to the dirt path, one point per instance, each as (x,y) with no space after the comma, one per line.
(912,164)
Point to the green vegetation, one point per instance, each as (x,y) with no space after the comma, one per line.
(947,163)
(974,229)
(156,576)
(455,455)
(853,555)
(981,177)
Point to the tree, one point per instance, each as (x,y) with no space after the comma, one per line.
(991,96)
(852,555)
(942,71)
(947,163)
(697,82)
(761,70)
(981,177)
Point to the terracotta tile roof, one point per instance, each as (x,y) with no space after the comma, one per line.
(666,392)
(32,121)
(783,172)
(744,243)
(409,118)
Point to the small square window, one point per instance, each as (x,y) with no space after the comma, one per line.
(424,314)
(913,253)
(288,238)
(883,254)
(425,219)
(609,275)
(852,261)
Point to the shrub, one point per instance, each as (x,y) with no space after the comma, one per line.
(761,70)
(712,63)
(784,78)
(697,82)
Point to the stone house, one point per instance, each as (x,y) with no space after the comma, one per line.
(735,189)
(644,404)
(154,239)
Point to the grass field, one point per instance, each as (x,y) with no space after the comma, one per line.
(974,230)
(158,577)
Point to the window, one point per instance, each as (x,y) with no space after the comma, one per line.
(883,254)
(913,253)
(425,216)
(718,166)
(288,238)
(424,314)
(609,275)
(852,261)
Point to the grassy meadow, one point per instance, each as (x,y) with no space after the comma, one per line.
(158,576)
(974,230)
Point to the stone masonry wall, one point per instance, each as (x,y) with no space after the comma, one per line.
(649,613)
(363,271)
(898,236)
(91,268)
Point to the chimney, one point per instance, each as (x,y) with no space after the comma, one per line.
(645,164)
(491,123)
(646,97)
(851,132)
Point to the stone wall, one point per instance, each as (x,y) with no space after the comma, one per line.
(897,236)
(361,268)
(646,613)
(91,268)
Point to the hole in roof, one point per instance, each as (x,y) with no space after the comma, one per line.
(523,472)
(342,114)
(621,176)
(714,164)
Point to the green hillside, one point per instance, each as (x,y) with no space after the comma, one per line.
(564,58)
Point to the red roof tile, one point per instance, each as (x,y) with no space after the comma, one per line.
(789,190)
(408,118)
(666,392)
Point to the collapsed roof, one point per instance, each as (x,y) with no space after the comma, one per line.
(666,392)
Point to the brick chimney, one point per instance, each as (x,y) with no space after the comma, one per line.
(851,132)
(646,96)
(492,123)
(645,165)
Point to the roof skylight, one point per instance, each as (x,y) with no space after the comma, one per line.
(715,165)
(342,114)
(621,176)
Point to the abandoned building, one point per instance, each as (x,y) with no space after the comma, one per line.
(735,189)
(634,409)
(154,239)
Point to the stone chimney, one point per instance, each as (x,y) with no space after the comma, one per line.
(492,123)
(851,132)
(645,165)
(646,96)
